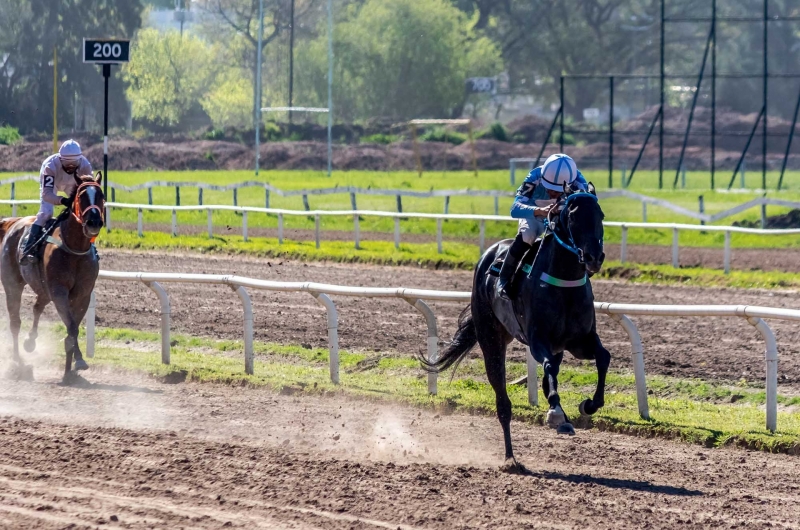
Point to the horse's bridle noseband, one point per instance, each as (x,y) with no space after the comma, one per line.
(79,214)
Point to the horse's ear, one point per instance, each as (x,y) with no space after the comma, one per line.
(99,177)
(591,189)
(78,180)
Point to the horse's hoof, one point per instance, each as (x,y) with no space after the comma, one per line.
(80,364)
(566,428)
(513,467)
(586,408)
(555,418)
(29,345)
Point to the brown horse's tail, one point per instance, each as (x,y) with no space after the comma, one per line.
(6,224)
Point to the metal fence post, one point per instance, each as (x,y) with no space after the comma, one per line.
(280,229)
(266,198)
(637,356)
(316,229)
(397,232)
(446,204)
(513,171)
(140,222)
(333,334)
(247,305)
(433,340)
(356,232)
(210,224)
(771,358)
(644,211)
(726,259)
(439,235)
(174,223)
(623,247)
(244,226)
(163,297)
(177,195)
(200,196)
(353,203)
(482,239)
(675,260)
(496,205)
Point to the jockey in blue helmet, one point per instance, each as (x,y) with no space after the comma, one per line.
(540,191)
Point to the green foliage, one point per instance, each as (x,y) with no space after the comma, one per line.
(167,75)
(272,131)
(441,134)
(496,131)
(379,138)
(9,135)
(229,103)
(399,59)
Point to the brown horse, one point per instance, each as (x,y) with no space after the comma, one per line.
(65,272)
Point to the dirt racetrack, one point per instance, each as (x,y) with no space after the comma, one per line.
(128,452)
(725,349)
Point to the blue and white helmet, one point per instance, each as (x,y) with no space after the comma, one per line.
(558,170)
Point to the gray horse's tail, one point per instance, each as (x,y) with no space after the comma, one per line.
(465,339)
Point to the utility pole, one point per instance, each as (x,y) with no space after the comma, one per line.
(291,61)
(258,82)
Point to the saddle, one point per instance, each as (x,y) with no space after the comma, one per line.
(524,266)
(38,251)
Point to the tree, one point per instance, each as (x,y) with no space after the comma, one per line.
(230,101)
(30,30)
(235,23)
(399,60)
(167,75)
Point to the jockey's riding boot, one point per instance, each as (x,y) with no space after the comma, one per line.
(515,253)
(28,256)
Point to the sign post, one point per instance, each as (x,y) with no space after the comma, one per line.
(106,52)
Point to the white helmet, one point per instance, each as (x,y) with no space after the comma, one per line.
(558,170)
(70,152)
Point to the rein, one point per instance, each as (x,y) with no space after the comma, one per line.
(550,226)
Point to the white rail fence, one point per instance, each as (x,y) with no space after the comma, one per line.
(357,214)
(418,298)
(353,191)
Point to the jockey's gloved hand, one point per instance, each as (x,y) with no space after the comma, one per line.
(66,201)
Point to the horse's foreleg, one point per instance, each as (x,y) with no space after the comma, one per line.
(551,364)
(38,309)
(79,307)
(602,361)
(60,297)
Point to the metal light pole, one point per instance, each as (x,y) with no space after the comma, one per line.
(330,83)
(258,81)
(291,61)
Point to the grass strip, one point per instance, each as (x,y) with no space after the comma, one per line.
(455,256)
(694,411)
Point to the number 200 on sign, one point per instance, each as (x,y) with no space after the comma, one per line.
(106,51)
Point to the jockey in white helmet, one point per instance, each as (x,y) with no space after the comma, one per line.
(541,189)
(57,174)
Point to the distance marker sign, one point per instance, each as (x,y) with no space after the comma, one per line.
(106,51)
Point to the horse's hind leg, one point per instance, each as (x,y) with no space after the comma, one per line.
(13,291)
(38,309)
(493,344)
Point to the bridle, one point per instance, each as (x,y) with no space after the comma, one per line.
(569,244)
(79,214)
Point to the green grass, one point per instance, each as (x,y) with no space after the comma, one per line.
(692,410)
(617,209)
(455,255)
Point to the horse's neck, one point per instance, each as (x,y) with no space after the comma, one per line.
(73,236)
(560,262)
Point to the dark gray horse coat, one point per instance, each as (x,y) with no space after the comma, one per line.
(553,311)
